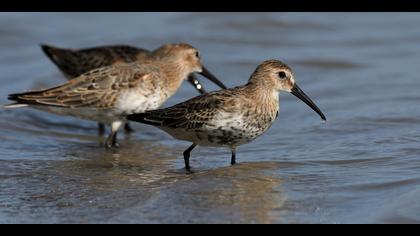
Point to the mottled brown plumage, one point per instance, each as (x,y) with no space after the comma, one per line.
(96,89)
(75,62)
(108,93)
(229,117)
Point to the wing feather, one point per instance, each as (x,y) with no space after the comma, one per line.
(191,114)
(96,89)
(74,63)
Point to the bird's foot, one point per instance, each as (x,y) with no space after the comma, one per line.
(188,170)
(115,145)
(111,144)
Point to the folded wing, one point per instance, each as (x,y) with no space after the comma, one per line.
(74,63)
(97,89)
(191,114)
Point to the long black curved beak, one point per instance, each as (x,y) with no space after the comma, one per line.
(196,84)
(212,78)
(302,96)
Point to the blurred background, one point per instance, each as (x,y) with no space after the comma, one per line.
(361,166)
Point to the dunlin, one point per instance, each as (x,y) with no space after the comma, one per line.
(75,62)
(109,93)
(229,117)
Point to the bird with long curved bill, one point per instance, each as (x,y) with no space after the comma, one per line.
(109,93)
(230,117)
(75,62)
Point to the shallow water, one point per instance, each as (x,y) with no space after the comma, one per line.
(362,166)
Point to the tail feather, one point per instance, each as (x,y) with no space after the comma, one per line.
(66,60)
(15,105)
(57,55)
(19,102)
(19,99)
(49,51)
(14,97)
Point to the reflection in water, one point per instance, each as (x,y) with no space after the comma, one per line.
(247,192)
(361,166)
(94,181)
(135,186)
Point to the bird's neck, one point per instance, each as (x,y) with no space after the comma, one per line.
(174,74)
(262,93)
(266,100)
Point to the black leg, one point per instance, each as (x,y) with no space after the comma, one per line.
(101,129)
(233,159)
(114,140)
(111,141)
(128,129)
(187,157)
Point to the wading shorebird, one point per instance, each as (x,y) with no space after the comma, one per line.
(75,62)
(109,93)
(229,117)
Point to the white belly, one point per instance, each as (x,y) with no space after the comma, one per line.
(136,102)
(226,130)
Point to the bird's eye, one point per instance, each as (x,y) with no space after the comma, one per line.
(197,54)
(282,75)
